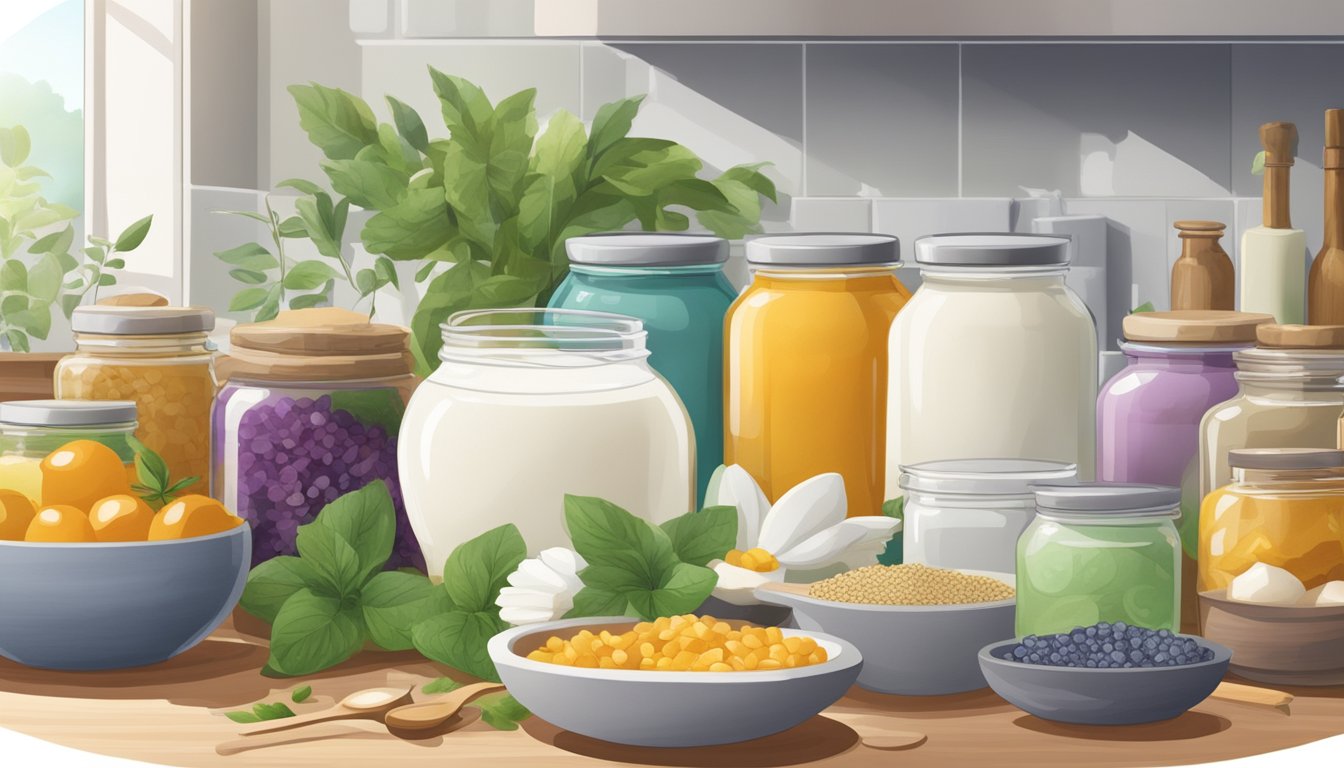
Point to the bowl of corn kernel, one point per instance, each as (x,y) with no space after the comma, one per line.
(679,681)
(920,629)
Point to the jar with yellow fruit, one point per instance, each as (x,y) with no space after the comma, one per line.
(159,358)
(31,430)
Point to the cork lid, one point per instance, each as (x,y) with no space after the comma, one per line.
(1301,336)
(1205,326)
(319,343)
(1199,228)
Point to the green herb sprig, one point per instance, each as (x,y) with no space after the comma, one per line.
(156,486)
(260,712)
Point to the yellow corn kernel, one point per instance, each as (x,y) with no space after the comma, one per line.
(720,667)
(587,661)
(752,641)
(773,635)
(664,663)
(606,663)
(648,664)
(695,644)
(737,663)
(711,656)
(769,664)
(619,656)
(555,644)
(779,653)
(647,650)
(540,655)
(793,644)
(562,660)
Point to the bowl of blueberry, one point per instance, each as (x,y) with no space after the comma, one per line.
(1105,674)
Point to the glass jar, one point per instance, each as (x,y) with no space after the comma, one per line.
(806,363)
(310,412)
(31,429)
(1179,364)
(1284,507)
(1100,552)
(999,357)
(969,513)
(159,358)
(528,406)
(1291,396)
(675,285)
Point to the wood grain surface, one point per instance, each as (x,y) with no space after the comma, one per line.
(173,713)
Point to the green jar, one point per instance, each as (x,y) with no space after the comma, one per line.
(1100,552)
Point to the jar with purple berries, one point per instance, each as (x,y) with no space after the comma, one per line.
(310,412)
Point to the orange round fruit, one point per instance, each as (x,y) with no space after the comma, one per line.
(81,472)
(121,518)
(16,512)
(191,516)
(60,523)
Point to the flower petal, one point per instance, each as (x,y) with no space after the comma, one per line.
(835,543)
(533,574)
(805,509)
(514,597)
(732,486)
(520,616)
(738,585)
(562,560)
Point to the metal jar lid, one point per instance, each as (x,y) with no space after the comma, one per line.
(1194,326)
(989,477)
(141,321)
(825,249)
(1286,458)
(67,413)
(646,249)
(1108,499)
(992,249)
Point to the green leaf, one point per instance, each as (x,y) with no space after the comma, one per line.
(242,717)
(35,321)
(318,215)
(1146,306)
(740,223)
(56,242)
(339,123)
(14,145)
(612,123)
(477,569)
(293,227)
(366,520)
(308,300)
(13,303)
(101,242)
(512,129)
(1258,164)
(150,468)
(302,185)
(393,603)
(411,229)
(409,124)
(13,276)
(301,694)
(698,537)
(248,214)
(501,711)
(386,272)
(458,639)
(441,685)
(335,565)
(467,190)
(367,184)
(69,302)
(466,110)
(248,298)
(18,341)
(115,264)
(44,279)
(894,552)
(249,256)
(312,632)
(591,601)
(248,276)
(272,582)
(106,279)
(132,236)
(681,590)
(751,176)
(366,282)
(276,711)
(307,275)
(371,407)
(270,307)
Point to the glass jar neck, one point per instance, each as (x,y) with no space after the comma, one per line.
(599,271)
(981,279)
(1291,479)
(1145,354)
(786,274)
(1136,517)
(160,345)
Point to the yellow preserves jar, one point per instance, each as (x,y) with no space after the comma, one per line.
(1284,507)
(158,358)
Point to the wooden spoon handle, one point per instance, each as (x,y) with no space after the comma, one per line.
(330,730)
(1248,694)
(298,721)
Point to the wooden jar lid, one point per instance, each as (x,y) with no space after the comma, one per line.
(1208,326)
(321,341)
(1301,336)
(1199,228)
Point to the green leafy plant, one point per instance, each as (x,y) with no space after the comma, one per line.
(301,694)
(260,712)
(501,711)
(1146,306)
(488,209)
(101,259)
(154,484)
(894,553)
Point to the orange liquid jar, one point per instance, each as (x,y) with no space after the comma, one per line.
(805,363)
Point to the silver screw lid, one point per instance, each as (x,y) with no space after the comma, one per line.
(141,321)
(67,413)
(646,249)
(1117,499)
(825,249)
(992,249)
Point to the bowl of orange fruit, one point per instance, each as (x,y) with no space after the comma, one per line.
(97,578)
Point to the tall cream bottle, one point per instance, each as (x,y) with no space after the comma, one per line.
(1273,274)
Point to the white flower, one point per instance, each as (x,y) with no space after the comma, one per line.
(542,588)
(805,530)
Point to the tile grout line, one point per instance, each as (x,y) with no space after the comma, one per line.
(960,108)
(802,92)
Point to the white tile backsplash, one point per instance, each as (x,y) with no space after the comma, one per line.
(457,19)
(910,219)
(369,17)
(1136,268)
(831,214)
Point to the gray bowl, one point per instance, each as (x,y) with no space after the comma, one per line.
(114,605)
(667,709)
(911,650)
(1102,696)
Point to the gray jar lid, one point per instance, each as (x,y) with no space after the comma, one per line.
(1286,458)
(992,249)
(990,477)
(1118,499)
(646,249)
(67,413)
(141,321)
(825,249)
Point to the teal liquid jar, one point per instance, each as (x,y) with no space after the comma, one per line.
(674,283)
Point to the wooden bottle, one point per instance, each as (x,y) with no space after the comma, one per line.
(1325,288)
(1273,274)
(1202,277)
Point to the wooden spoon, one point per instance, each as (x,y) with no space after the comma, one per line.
(369,704)
(427,714)
(1249,694)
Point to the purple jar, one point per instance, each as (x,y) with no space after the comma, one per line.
(1179,365)
(310,412)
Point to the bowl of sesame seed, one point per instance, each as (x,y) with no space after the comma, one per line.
(918,628)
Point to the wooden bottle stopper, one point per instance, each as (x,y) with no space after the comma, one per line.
(1279,140)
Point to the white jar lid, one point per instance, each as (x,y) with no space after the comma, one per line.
(990,477)
(141,321)
(825,249)
(67,413)
(993,249)
(646,249)
(1108,499)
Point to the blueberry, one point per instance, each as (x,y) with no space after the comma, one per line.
(1019,652)
(1117,655)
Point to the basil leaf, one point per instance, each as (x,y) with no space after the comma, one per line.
(366,520)
(339,123)
(698,537)
(307,275)
(409,124)
(607,535)
(466,110)
(334,563)
(312,633)
(412,228)
(276,711)
(458,640)
(301,694)
(150,468)
(370,407)
(441,685)
(242,717)
(684,587)
(612,122)
(592,601)
(368,184)
(501,711)
(392,602)
(476,570)
(273,582)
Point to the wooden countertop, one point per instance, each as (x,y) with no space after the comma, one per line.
(173,713)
